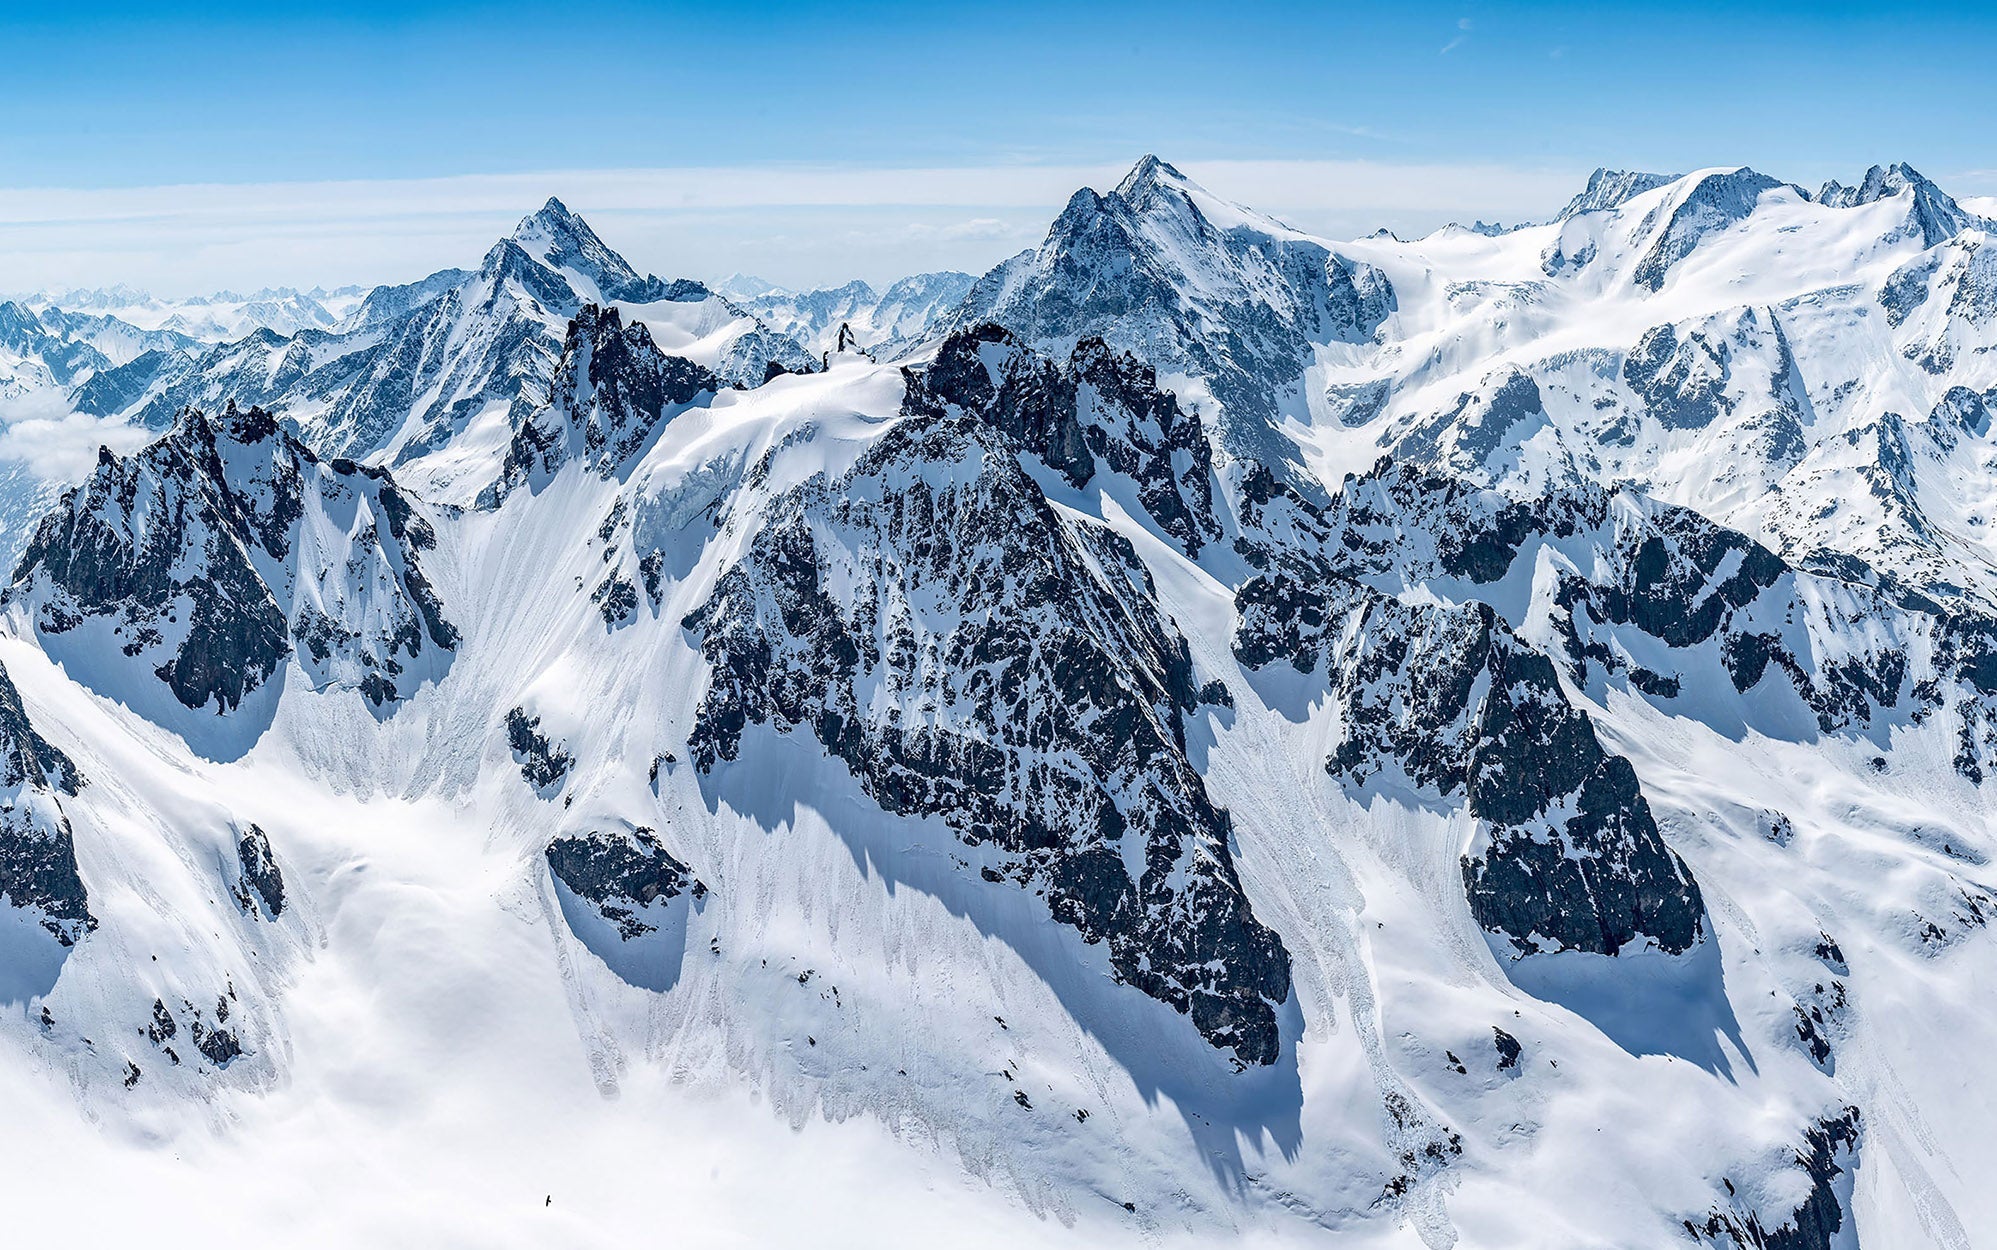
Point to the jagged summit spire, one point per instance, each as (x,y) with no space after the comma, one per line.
(1936,216)
(1149,176)
(552,219)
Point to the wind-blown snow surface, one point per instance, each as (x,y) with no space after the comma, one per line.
(985,799)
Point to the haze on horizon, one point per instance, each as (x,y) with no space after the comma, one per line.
(797,143)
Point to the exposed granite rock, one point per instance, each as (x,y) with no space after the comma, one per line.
(1103,411)
(1021,685)
(1239,303)
(1712,204)
(541,762)
(37,851)
(621,875)
(1734,366)
(1814,1225)
(259,872)
(611,391)
(1449,699)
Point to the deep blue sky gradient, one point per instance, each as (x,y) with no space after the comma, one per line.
(146,94)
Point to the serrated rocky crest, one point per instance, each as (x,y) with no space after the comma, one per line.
(227,547)
(610,393)
(990,663)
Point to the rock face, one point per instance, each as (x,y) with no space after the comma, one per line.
(622,875)
(227,546)
(1932,215)
(1448,699)
(986,661)
(417,363)
(1732,370)
(1816,1222)
(259,873)
(760,355)
(37,852)
(1103,412)
(1612,188)
(1162,268)
(542,763)
(611,392)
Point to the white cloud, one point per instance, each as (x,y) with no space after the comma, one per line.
(41,430)
(701,221)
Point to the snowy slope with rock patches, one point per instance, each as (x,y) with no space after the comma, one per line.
(1476,741)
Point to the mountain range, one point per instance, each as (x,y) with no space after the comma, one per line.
(1202,731)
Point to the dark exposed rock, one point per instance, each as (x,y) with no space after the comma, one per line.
(163,1024)
(259,872)
(190,552)
(611,391)
(1467,437)
(1571,857)
(1932,215)
(1612,188)
(1713,204)
(621,874)
(218,1046)
(1814,1225)
(37,851)
(616,599)
(541,762)
(1023,687)
(1236,304)
(1103,411)
(1697,375)
(1508,1049)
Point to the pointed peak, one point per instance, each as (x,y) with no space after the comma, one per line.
(1146,178)
(1935,216)
(553,219)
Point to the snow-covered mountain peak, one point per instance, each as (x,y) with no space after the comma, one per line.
(1150,177)
(1933,215)
(560,239)
(1612,188)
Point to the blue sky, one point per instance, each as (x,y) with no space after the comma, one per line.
(1518,100)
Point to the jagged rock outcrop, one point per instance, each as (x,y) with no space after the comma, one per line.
(1103,411)
(417,364)
(1449,701)
(1829,1148)
(986,661)
(261,878)
(543,763)
(1611,189)
(1482,429)
(760,355)
(1933,216)
(1734,367)
(610,393)
(623,875)
(228,546)
(38,871)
